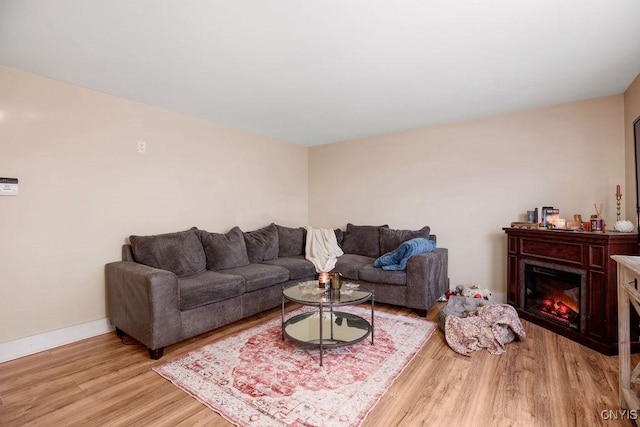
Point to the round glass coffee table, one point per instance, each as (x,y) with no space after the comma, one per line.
(337,328)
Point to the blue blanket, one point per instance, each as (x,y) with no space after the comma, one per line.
(398,258)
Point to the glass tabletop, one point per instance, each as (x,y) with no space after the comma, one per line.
(308,293)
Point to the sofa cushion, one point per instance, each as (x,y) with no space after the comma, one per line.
(224,250)
(378,275)
(291,241)
(349,264)
(298,267)
(262,244)
(181,253)
(390,239)
(362,240)
(208,287)
(258,276)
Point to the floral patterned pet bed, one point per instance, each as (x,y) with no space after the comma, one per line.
(471,324)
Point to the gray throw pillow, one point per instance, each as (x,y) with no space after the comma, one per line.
(181,253)
(390,239)
(224,250)
(291,241)
(262,244)
(362,240)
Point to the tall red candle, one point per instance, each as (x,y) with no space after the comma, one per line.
(617,189)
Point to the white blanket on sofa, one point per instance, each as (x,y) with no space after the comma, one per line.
(322,248)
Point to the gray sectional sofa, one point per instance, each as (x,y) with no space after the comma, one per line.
(174,286)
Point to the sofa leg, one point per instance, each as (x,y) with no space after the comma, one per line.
(119,333)
(420,312)
(157,353)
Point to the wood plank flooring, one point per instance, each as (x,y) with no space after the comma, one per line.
(546,380)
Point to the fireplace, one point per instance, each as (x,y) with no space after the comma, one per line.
(565,281)
(554,292)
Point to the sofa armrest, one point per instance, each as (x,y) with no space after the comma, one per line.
(144,302)
(427,277)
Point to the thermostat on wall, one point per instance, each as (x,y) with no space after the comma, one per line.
(8,186)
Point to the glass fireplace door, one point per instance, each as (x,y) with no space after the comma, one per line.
(554,294)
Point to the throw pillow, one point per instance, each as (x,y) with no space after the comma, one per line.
(390,239)
(291,241)
(362,240)
(262,244)
(181,253)
(224,250)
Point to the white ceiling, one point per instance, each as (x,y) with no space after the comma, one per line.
(315,72)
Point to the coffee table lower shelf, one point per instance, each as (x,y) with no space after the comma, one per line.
(336,329)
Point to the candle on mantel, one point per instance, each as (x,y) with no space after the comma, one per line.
(618,189)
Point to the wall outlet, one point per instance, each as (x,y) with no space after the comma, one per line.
(142,147)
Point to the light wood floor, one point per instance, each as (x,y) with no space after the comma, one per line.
(545,380)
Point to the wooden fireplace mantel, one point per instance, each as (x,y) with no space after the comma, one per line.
(586,252)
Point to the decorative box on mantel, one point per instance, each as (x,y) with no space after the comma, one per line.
(565,281)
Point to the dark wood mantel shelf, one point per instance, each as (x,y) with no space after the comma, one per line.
(587,252)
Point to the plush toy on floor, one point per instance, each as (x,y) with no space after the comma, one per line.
(460,306)
(473,291)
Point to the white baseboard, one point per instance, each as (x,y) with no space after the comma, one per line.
(34,344)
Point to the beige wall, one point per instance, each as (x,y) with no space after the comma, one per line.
(468,180)
(84,189)
(631,113)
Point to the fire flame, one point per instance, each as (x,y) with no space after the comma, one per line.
(558,308)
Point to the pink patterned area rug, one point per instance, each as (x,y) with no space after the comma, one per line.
(255,378)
